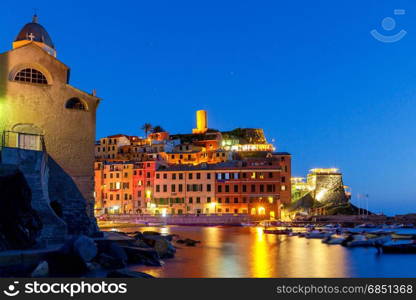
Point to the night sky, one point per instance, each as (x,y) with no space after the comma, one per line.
(308,72)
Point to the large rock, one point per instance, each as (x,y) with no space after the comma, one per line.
(161,244)
(110,262)
(111,248)
(85,248)
(145,256)
(111,255)
(20,225)
(42,270)
(66,264)
(73,257)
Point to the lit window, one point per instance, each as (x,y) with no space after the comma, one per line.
(31,76)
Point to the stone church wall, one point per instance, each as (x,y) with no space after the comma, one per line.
(69,134)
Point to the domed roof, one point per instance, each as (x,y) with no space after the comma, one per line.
(35,32)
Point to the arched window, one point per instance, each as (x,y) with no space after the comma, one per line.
(31,75)
(75,103)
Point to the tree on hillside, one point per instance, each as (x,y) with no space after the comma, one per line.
(147,127)
(157,129)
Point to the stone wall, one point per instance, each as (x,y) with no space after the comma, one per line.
(54,195)
(329,188)
(33,165)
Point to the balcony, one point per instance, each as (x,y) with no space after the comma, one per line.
(21,140)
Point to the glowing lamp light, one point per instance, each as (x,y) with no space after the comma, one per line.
(164,212)
(270,199)
(261,210)
(148,194)
(321,194)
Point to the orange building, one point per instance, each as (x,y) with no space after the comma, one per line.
(108,147)
(113,187)
(235,187)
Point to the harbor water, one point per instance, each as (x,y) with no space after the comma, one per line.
(247,252)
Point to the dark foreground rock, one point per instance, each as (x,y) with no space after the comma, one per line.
(111,255)
(188,242)
(145,256)
(20,225)
(109,262)
(161,244)
(42,270)
(72,257)
(123,273)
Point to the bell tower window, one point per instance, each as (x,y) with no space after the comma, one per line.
(76,103)
(31,76)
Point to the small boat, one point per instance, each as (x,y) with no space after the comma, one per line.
(316,234)
(408,226)
(363,241)
(366,225)
(248,224)
(399,236)
(402,247)
(269,223)
(333,240)
(278,231)
(332,226)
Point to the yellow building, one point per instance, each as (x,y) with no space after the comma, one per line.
(41,111)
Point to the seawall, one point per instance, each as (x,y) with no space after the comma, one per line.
(184,219)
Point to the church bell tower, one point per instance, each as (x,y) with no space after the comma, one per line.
(33,32)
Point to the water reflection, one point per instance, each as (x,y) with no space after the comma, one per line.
(248,252)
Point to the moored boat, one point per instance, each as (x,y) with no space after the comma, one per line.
(278,231)
(333,240)
(315,234)
(248,224)
(401,247)
(400,236)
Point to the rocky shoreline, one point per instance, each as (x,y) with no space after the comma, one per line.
(108,256)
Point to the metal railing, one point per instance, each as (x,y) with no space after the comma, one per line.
(22,140)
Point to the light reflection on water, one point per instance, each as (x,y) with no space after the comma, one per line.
(248,252)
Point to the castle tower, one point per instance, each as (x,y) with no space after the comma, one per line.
(201,122)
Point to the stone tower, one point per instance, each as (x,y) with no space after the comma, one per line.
(40,112)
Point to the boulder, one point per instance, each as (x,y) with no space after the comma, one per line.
(124,273)
(146,256)
(113,250)
(163,247)
(140,244)
(63,263)
(42,270)
(72,257)
(85,248)
(138,235)
(109,262)
(151,233)
(188,242)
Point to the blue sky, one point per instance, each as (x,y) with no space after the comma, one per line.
(308,72)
